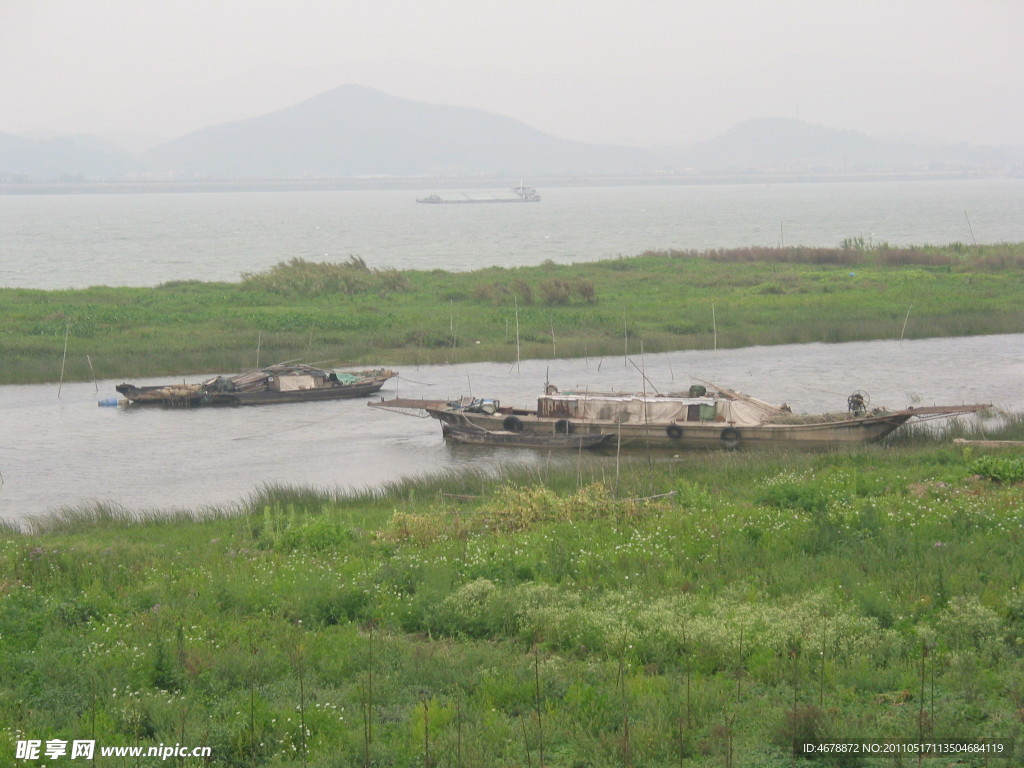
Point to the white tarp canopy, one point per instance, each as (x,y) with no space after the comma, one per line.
(294,383)
(745,411)
(621,409)
(640,409)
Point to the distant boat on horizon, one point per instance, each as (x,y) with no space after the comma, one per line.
(520,194)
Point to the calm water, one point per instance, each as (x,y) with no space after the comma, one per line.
(62,241)
(64,451)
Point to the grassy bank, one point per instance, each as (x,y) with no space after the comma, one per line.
(703,612)
(675,300)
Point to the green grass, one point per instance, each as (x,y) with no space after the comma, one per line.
(665,300)
(703,611)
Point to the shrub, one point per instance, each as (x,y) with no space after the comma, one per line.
(465,610)
(522,292)
(585,289)
(299,277)
(798,726)
(1004,469)
(555,291)
(967,625)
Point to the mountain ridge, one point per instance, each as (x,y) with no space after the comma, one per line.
(353,131)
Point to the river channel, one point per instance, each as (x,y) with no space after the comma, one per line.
(62,449)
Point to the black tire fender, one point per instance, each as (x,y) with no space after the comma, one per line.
(674,431)
(730,438)
(563,427)
(512,424)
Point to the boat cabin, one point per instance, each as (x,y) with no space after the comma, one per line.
(628,409)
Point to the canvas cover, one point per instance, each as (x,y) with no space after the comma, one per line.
(295,383)
(640,409)
(619,409)
(747,412)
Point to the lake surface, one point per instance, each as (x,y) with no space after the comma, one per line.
(77,240)
(58,451)
(65,450)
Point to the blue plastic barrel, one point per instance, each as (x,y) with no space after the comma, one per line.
(108,402)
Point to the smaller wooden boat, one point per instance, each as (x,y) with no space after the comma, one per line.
(284,383)
(478,436)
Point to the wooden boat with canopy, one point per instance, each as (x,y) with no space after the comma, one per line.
(705,417)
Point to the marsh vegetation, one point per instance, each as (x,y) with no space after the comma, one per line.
(703,611)
(670,300)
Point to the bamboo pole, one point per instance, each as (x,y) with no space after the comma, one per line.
(970,227)
(519,355)
(905,321)
(64,359)
(714,326)
(93,372)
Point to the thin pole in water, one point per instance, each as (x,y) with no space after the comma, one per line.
(644,375)
(259,343)
(905,320)
(93,372)
(714,326)
(518,349)
(63,362)
(970,227)
(451,323)
(625,341)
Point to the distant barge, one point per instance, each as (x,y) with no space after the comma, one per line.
(520,194)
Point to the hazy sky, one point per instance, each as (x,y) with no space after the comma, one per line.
(626,71)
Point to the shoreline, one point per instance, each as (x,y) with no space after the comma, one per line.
(345,184)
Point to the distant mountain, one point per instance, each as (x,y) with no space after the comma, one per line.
(785,145)
(353,131)
(69,157)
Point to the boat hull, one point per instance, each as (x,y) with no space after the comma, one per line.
(686,435)
(180,397)
(343,392)
(502,438)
